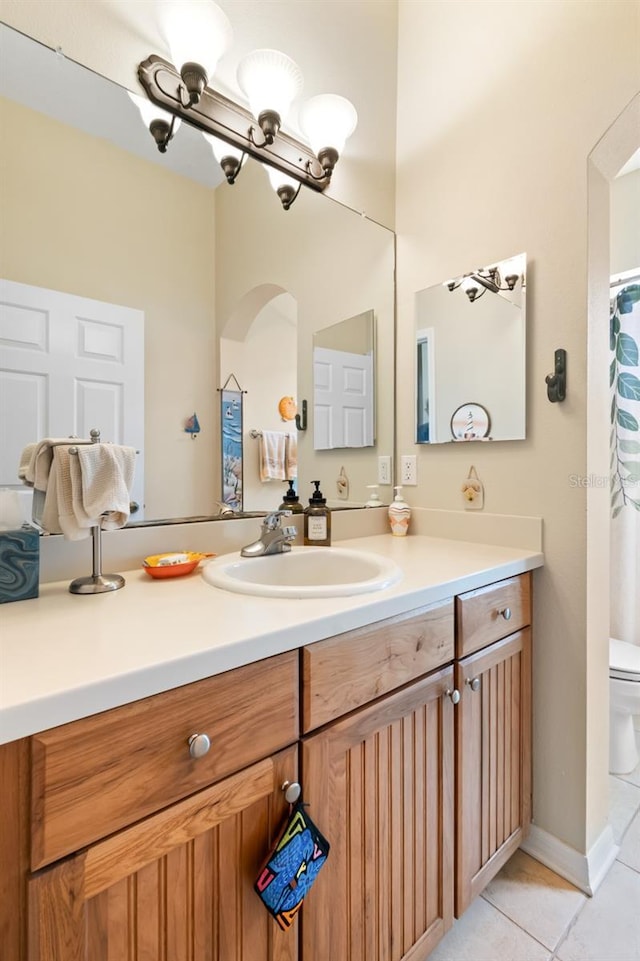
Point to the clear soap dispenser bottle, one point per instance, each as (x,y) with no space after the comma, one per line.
(317,520)
(399,514)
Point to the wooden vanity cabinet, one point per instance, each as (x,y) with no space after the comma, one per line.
(380,782)
(118,843)
(177,885)
(121,844)
(493,732)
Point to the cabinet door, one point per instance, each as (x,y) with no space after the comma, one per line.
(493,761)
(380,786)
(177,886)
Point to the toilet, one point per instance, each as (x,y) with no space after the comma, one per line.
(624,703)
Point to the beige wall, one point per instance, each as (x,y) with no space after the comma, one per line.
(82,216)
(497,115)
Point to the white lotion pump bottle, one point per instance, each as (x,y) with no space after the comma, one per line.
(399,514)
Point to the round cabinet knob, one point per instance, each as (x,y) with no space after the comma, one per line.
(474,683)
(506,613)
(199,745)
(454,695)
(292,791)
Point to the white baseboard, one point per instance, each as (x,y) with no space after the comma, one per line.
(586,871)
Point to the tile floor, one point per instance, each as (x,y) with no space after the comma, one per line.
(528,913)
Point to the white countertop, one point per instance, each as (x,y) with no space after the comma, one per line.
(64,656)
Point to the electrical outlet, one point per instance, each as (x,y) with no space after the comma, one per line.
(408,470)
(384,469)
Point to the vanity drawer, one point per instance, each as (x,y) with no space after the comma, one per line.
(96,775)
(490,613)
(346,671)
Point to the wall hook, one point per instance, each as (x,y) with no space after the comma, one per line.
(557,382)
(301,419)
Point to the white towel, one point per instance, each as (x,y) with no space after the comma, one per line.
(101,482)
(273,444)
(61,477)
(38,469)
(291,457)
(25,461)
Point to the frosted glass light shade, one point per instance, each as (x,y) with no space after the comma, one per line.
(270,80)
(196,33)
(222,149)
(149,112)
(327,121)
(278,179)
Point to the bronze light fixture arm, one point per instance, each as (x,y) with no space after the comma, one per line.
(218,115)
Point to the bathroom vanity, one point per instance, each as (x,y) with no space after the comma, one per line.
(405,715)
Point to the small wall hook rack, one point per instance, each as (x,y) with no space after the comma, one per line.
(301,419)
(557,382)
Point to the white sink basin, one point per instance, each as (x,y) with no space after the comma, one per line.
(303,572)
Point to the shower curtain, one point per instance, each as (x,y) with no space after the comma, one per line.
(624,378)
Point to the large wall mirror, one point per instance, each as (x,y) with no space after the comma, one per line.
(470,356)
(227,281)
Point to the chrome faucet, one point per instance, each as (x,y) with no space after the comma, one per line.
(274,539)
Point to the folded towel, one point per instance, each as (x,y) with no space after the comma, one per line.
(291,457)
(37,470)
(101,482)
(45,506)
(25,461)
(273,445)
(61,478)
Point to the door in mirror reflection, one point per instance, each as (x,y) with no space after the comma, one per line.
(343,384)
(470,355)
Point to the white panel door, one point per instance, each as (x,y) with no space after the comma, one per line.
(69,364)
(342,399)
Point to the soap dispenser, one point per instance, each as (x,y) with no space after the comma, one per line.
(290,501)
(399,514)
(374,500)
(317,520)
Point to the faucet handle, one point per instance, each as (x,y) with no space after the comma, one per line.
(272,520)
(290,533)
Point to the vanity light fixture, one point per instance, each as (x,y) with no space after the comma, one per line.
(271,81)
(286,187)
(162,125)
(479,281)
(197,35)
(230,158)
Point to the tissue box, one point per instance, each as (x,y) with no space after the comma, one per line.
(19,564)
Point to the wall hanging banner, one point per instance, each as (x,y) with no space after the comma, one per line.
(292,867)
(231,434)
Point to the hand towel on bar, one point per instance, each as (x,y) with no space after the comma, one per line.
(101,483)
(272,455)
(61,478)
(291,457)
(45,506)
(25,460)
(39,466)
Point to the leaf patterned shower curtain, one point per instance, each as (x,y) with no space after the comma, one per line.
(624,378)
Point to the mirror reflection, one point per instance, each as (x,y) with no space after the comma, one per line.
(343,384)
(227,282)
(470,356)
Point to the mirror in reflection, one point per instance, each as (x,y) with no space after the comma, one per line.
(343,384)
(470,356)
(94,211)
